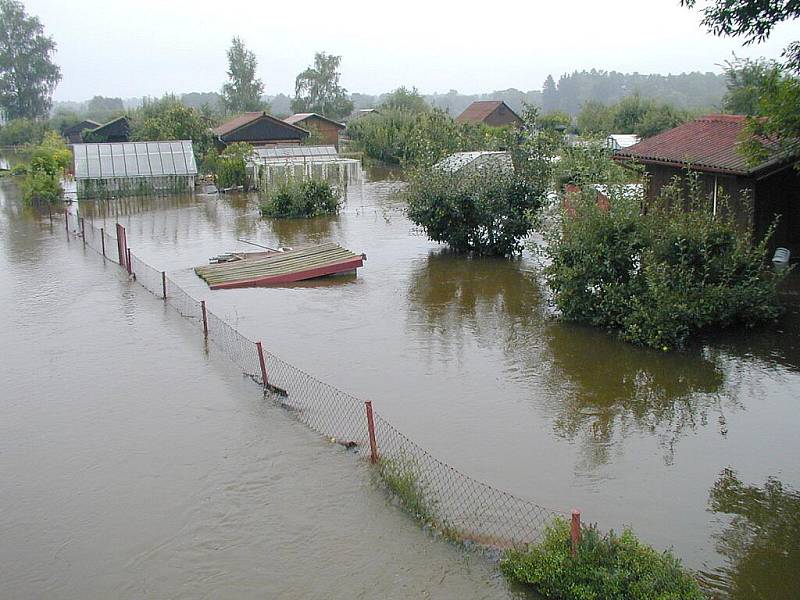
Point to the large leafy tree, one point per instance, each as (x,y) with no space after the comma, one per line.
(28,75)
(317,89)
(170,119)
(406,99)
(243,91)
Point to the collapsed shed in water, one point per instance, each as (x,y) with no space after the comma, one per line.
(272,268)
(106,170)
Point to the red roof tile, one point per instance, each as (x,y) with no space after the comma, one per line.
(710,143)
(478,111)
(300,117)
(244,119)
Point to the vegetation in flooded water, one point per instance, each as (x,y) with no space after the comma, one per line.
(170,119)
(659,278)
(229,169)
(301,198)
(401,476)
(43,169)
(490,209)
(607,567)
(764,530)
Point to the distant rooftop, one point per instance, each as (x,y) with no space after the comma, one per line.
(300,117)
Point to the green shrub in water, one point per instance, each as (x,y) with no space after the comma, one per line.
(301,198)
(605,567)
(662,277)
(402,478)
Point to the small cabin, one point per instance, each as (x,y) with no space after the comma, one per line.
(710,147)
(494,113)
(73,134)
(118,130)
(258,129)
(327,129)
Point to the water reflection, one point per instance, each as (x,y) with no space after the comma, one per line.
(20,226)
(490,298)
(761,544)
(296,232)
(610,388)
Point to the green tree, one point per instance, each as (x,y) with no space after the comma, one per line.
(170,119)
(555,120)
(28,75)
(746,81)
(594,120)
(243,91)
(317,89)
(22,131)
(549,94)
(103,109)
(406,99)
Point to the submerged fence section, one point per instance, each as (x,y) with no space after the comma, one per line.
(455,504)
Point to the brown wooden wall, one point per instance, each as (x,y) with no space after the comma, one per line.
(327,130)
(502,116)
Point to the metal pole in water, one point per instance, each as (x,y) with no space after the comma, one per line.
(373,443)
(205,317)
(103,241)
(576,530)
(261,363)
(83,231)
(164,284)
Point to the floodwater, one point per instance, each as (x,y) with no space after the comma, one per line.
(134,465)
(695,450)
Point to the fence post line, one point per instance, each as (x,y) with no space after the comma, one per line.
(576,530)
(373,443)
(164,287)
(66,219)
(83,231)
(262,363)
(128,260)
(205,316)
(103,241)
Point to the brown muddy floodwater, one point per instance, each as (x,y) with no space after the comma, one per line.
(147,467)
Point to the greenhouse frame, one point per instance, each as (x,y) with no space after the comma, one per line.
(104,170)
(274,165)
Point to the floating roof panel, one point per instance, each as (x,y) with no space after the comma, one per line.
(134,159)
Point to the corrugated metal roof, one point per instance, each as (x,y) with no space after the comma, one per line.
(710,143)
(134,159)
(459,160)
(300,117)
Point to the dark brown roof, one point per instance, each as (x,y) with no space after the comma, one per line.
(245,119)
(300,117)
(478,111)
(710,143)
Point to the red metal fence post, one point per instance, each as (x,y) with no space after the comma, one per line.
(164,286)
(262,363)
(373,443)
(205,316)
(121,245)
(576,530)
(103,241)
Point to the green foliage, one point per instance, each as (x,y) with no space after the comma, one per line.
(231,165)
(102,109)
(22,131)
(398,136)
(243,91)
(28,75)
(555,120)
(301,198)
(317,89)
(632,114)
(605,567)
(746,82)
(658,278)
(779,129)
(590,164)
(170,119)
(409,100)
(486,210)
(401,476)
(43,169)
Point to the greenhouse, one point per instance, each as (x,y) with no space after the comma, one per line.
(271,165)
(105,170)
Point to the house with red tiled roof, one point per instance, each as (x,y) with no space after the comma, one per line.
(327,129)
(711,147)
(258,129)
(494,113)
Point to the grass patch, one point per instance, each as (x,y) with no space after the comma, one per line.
(401,476)
(605,567)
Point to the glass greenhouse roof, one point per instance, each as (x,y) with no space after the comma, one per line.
(134,159)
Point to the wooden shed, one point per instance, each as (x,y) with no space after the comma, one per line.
(73,134)
(118,130)
(710,147)
(327,128)
(494,113)
(258,129)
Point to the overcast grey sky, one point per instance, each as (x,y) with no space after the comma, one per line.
(124,48)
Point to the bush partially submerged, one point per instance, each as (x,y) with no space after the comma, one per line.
(605,567)
(301,198)
(43,169)
(658,278)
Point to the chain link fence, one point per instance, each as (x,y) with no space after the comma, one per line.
(455,504)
